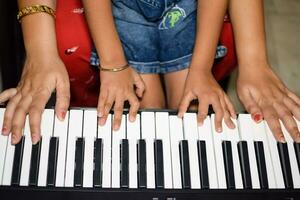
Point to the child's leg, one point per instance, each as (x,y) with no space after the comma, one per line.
(153,96)
(259,88)
(174,83)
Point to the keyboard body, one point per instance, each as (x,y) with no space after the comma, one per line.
(158,157)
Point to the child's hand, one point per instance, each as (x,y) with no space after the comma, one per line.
(115,89)
(203,87)
(41,76)
(264,95)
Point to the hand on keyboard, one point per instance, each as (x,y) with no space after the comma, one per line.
(115,89)
(39,79)
(203,87)
(264,95)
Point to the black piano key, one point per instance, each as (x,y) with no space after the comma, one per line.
(285,165)
(98,157)
(297,151)
(142,174)
(261,164)
(17,164)
(34,163)
(245,164)
(185,164)
(203,169)
(228,163)
(52,161)
(124,177)
(79,159)
(159,164)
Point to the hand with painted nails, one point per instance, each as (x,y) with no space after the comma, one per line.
(203,87)
(40,77)
(265,96)
(115,89)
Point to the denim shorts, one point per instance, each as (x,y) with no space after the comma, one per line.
(157,36)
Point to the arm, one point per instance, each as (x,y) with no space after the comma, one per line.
(200,83)
(259,88)
(116,87)
(43,73)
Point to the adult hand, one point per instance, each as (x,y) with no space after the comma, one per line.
(115,89)
(202,86)
(265,96)
(40,77)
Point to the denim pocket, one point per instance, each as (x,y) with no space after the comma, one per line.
(151,9)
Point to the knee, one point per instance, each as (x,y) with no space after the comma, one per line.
(158,103)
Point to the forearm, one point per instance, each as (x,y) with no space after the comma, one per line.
(39,30)
(248,24)
(210,19)
(102,27)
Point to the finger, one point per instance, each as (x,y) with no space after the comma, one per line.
(252,107)
(202,111)
(293,96)
(219,113)
(107,107)
(118,111)
(19,118)
(62,100)
(292,106)
(134,107)
(185,103)
(140,87)
(272,120)
(8,115)
(227,118)
(36,110)
(101,103)
(7,94)
(288,121)
(230,107)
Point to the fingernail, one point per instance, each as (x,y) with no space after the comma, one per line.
(219,130)
(100,114)
(63,114)
(282,139)
(131,118)
(102,122)
(116,127)
(13,139)
(200,123)
(257,118)
(4,131)
(34,139)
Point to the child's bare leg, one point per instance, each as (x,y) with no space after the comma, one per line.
(153,96)
(175,83)
(259,88)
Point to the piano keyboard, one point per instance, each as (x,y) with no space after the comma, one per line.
(157,151)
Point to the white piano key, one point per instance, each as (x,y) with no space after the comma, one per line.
(104,132)
(3,145)
(24,179)
(46,133)
(190,126)
(117,137)
(176,135)
(246,134)
(8,164)
(218,138)
(293,159)
(61,131)
(205,134)
(148,133)
(89,135)
(163,133)
(259,134)
(133,135)
(75,131)
(275,158)
(233,136)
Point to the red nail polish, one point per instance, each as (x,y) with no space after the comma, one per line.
(257,117)
(63,114)
(4,130)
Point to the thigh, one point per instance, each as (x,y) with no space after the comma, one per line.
(174,83)
(154,96)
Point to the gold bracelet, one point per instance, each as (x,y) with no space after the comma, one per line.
(29,10)
(117,69)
